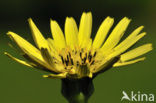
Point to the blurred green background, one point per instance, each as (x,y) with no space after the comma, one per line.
(20,84)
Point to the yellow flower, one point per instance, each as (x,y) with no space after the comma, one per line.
(75,54)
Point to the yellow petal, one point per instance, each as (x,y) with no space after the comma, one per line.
(71,32)
(105,64)
(86,43)
(128,62)
(125,45)
(136,52)
(130,37)
(37,36)
(116,34)
(47,56)
(61,75)
(51,44)
(51,61)
(25,46)
(18,60)
(57,34)
(29,49)
(89,44)
(52,47)
(102,32)
(31,64)
(85,28)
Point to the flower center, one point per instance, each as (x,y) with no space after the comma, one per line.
(79,61)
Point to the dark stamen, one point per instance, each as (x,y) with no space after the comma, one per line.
(92,62)
(67,58)
(82,49)
(80,55)
(69,54)
(90,58)
(84,60)
(66,61)
(54,58)
(75,52)
(86,55)
(77,63)
(72,61)
(94,54)
(62,58)
(90,53)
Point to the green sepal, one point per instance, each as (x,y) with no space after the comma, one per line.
(77,90)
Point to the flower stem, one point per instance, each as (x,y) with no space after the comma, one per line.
(77,90)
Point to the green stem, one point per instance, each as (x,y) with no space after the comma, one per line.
(77,90)
(78,99)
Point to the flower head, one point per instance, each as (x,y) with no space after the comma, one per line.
(75,54)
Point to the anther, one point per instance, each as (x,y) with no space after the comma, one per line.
(84,60)
(86,55)
(69,54)
(67,58)
(75,52)
(72,61)
(81,55)
(77,63)
(82,49)
(62,59)
(54,58)
(90,58)
(66,61)
(92,62)
(94,54)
